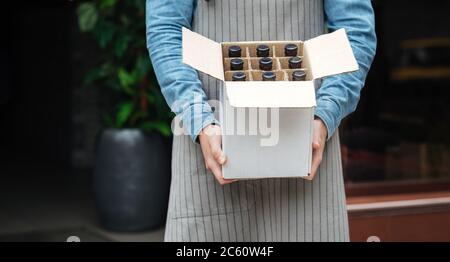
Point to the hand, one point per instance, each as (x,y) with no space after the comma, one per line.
(319,138)
(211,144)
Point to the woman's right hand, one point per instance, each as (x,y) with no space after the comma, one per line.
(211,144)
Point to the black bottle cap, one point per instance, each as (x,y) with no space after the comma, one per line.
(262,51)
(234,51)
(298,75)
(268,76)
(290,50)
(236,64)
(265,64)
(239,76)
(295,62)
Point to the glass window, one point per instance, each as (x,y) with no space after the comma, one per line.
(401,130)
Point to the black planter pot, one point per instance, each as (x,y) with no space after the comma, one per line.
(131,179)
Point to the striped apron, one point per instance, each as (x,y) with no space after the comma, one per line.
(280,209)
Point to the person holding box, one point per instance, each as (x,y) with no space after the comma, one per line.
(204,206)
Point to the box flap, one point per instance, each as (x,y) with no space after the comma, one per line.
(329,54)
(202,54)
(279,94)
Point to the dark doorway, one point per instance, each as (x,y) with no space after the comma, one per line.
(34,104)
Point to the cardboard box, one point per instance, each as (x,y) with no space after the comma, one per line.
(267,126)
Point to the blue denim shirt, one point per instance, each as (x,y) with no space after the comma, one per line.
(337,97)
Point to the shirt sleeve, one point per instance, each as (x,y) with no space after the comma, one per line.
(338,95)
(180,84)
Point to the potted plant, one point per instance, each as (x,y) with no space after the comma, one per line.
(132,167)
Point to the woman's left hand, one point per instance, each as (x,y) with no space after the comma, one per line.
(318,144)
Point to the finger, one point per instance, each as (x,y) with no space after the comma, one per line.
(216,149)
(206,154)
(316,160)
(315,145)
(316,141)
(216,169)
(228,181)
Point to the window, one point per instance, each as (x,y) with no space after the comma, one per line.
(399,138)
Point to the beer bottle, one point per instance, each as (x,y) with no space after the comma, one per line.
(295,62)
(298,75)
(239,76)
(236,64)
(234,51)
(265,64)
(269,76)
(262,51)
(290,50)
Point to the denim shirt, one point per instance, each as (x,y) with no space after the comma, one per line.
(337,97)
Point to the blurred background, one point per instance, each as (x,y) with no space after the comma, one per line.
(85,134)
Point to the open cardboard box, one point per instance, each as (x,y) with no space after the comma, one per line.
(267,125)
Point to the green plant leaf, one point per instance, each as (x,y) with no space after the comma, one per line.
(104,33)
(93,75)
(162,127)
(126,81)
(121,45)
(138,115)
(123,113)
(105,4)
(124,69)
(87,16)
(125,78)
